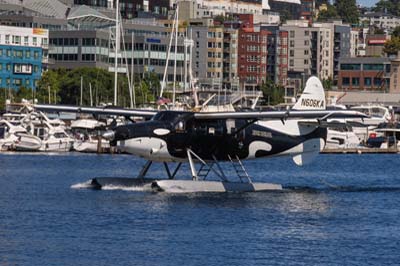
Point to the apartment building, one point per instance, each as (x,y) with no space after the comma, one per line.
(23,56)
(277,54)
(341,47)
(381,20)
(310,48)
(230,58)
(207,56)
(252,53)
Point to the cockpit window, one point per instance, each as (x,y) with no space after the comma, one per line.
(169,116)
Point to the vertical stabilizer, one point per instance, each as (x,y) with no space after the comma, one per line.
(313,96)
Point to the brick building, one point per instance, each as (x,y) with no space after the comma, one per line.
(364,73)
(252,53)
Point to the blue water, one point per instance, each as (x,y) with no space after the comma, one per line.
(341,210)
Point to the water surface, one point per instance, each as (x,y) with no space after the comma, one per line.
(341,210)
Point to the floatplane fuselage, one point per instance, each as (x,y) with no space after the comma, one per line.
(168,136)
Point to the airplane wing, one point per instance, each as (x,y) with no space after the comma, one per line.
(308,114)
(331,123)
(95,110)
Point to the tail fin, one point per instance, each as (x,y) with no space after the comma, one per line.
(313,96)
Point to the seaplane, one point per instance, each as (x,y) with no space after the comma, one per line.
(205,139)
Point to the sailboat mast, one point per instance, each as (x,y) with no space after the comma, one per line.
(163,84)
(176,52)
(116,51)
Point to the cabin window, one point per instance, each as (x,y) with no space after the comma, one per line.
(2,132)
(59,135)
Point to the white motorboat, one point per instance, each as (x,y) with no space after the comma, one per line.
(54,139)
(17,138)
(85,132)
(341,137)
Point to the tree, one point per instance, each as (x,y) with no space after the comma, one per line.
(330,13)
(388,6)
(327,83)
(396,32)
(392,47)
(49,81)
(273,93)
(347,10)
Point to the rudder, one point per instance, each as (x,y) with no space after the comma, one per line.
(313,96)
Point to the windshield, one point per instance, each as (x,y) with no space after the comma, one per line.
(169,116)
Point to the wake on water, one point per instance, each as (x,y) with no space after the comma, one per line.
(88,185)
(305,189)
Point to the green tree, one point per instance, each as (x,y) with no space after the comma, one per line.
(327,83)
(347,10)
(388,6)
(272,93)
(396,32)
(49,81)
(330,13)
(392,47)
(3,97)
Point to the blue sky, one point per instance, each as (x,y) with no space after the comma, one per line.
(367,2)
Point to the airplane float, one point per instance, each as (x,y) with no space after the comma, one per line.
(203,140)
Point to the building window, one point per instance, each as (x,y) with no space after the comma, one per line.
(378,67)
(305,61)
(26,40)
(292,34)
(291,43)
(355,81)
(306,42)
(88,42)
(18,54)
(291,52)
(377,82)
(350,66)
(346,81)
(306,52)
(367,81)
(7,39)
(27,54)
(34,41)
(291,62)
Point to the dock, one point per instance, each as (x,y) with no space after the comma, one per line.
(360,150)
